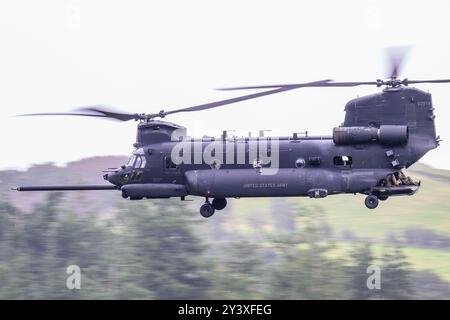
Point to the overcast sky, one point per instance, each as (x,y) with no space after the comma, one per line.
(144,56)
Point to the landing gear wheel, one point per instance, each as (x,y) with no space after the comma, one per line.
(383,198)
(207,210)
(219,203)
(371,202)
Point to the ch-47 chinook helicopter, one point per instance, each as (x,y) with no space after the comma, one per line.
(382,134)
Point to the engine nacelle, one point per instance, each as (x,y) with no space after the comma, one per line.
(153,190)
(385,135)
(393,134)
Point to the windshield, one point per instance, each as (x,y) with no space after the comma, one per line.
(137,161)
(131,160)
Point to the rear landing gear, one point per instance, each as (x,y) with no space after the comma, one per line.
(219,203)
(207,210)
(371,202)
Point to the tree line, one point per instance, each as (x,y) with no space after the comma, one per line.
(150,250)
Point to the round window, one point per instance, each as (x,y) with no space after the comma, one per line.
(300,163)
(215,164)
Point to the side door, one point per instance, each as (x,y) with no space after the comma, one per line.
(171,171)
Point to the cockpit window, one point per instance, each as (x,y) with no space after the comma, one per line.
(138,162)
(144,162)
(137,159)
(131,161)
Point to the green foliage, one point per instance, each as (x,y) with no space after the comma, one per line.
(362,258)
(305,270)
(43,244)
(240,273)
(152,250)
(165,256)
(396,275)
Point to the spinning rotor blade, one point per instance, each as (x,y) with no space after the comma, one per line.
(395,57)
(109,113)
(242,98)
(426,81)
(100,111)
(326,83)
(391,82)
(60,114)
(105,112)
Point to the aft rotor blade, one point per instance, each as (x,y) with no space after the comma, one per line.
(242,98)
(66,188)
(325,83)
(427,81)
(395,57)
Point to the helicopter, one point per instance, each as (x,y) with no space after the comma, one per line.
(382,135)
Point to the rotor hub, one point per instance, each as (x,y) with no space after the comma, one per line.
(392,83)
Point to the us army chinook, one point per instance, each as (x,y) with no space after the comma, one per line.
(382,134)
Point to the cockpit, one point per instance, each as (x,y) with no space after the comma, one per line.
(137,159)
(133,171)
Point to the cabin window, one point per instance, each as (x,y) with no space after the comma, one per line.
(168,164)
(215,164)
(315,161)
(343,161)
(300,163)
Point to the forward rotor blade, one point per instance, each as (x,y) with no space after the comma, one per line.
(99,111)
(66,188)
(109,113)
(242,98)
(61,114)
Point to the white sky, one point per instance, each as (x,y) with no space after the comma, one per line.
(143,56)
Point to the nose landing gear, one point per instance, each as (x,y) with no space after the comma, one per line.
(207,209)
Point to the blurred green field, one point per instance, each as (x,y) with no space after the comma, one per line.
(428,209)
(346,214)
(437,261)
(344,218)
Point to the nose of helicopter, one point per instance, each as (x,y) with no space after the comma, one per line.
(112,177)
(117,176)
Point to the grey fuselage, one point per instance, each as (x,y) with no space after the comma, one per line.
(306,165)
